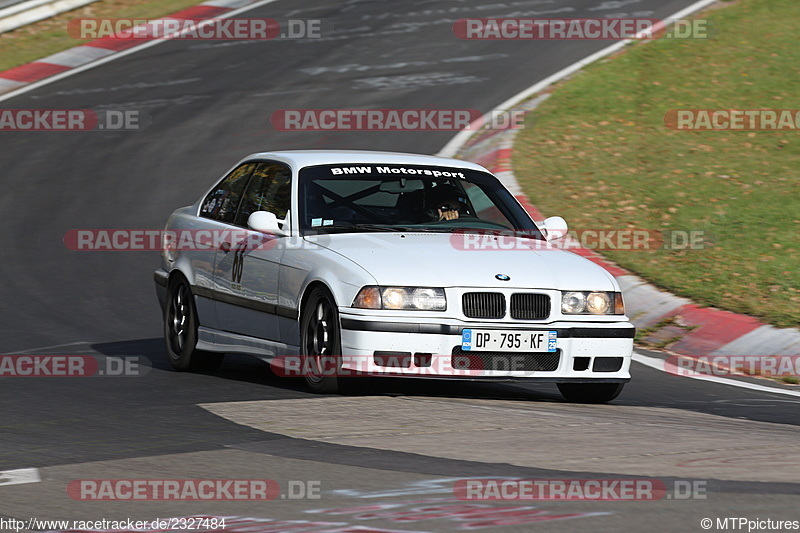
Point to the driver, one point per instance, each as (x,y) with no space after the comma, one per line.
(446,202)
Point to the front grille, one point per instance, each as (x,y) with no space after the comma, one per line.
(530,306)
(483,305)
(506,361)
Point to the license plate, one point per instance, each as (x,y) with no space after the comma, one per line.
(485,340)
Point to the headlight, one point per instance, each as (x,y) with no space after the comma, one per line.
(592,303)
(599,303)
(415,298)
(573,302)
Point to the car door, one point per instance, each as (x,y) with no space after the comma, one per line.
(248,263)
(217,214)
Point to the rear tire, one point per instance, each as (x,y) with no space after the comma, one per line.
(321,343)
(180,331)
(590,392)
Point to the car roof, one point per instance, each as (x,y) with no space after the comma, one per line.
(307,158)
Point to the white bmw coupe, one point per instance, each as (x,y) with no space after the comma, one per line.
(333,265)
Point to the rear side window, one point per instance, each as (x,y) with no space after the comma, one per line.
(222,202)
(270,189)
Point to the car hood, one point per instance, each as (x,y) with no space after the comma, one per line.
(441,260)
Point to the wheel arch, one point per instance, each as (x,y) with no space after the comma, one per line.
(317,283)
(175,275)
(181,267)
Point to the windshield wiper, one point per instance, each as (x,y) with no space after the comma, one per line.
(523,234)
(364,227)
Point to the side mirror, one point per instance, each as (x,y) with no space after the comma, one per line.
(554,228)
(265,222)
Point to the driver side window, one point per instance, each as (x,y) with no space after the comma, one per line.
(269,190)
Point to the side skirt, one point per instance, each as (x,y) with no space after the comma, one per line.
(213,340)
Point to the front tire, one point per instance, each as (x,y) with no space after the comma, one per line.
(321,343)
(180,331)
(590,392)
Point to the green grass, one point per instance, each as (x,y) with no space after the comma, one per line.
(49,36)
(598,153)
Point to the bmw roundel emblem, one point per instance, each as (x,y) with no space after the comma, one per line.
(502,277)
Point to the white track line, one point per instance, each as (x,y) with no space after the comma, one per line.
(455,144)
(44,348)
(20,476)
(118,55)
(658,364)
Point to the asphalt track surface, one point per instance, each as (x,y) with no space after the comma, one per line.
(210,104)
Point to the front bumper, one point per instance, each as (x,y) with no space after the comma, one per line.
(160,277)
(587,351)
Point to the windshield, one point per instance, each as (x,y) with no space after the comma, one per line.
(352,198)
